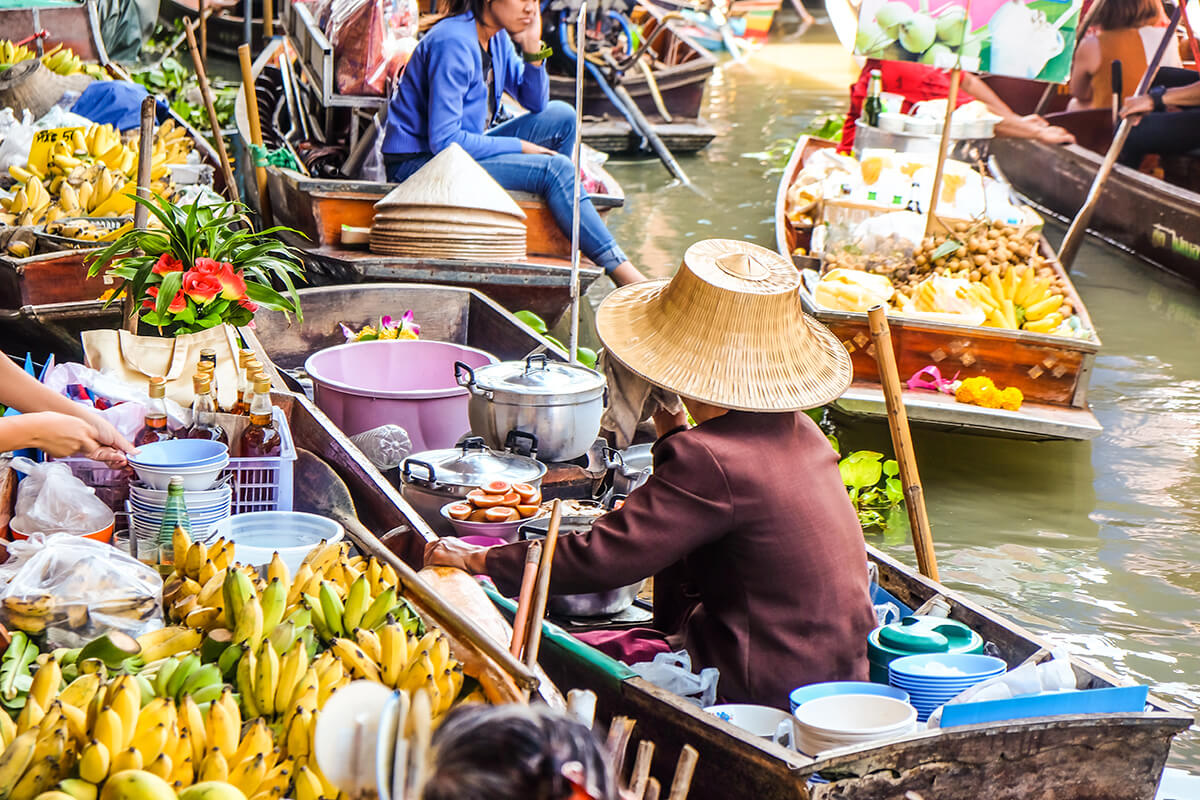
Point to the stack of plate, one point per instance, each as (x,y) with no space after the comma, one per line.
(933,679)
(449,209)
(206,508)
(846,720)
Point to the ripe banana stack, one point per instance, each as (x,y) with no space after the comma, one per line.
(91,172)
(1021,299)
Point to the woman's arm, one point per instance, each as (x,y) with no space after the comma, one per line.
(1178,96)
(528,83)
(450,76)
(1087,61)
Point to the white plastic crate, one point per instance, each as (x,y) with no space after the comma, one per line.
(265,484)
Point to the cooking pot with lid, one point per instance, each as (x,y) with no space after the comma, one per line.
(631,467)
(433,478)
(560,404)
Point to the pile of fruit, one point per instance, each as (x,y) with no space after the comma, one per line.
(498,501)
(58,59)
(223,706)
(91,172)
(899,32)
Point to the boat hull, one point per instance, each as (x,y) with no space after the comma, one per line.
(1052,372)
(226,29)
(74,25)
(1138,213)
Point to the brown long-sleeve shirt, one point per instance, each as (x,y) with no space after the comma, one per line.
(757,552)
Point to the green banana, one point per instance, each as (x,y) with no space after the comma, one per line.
(274,603)
(332,608)
(376,613)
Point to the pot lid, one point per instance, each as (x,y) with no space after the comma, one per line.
(536,375)
(927,635)
(470,464)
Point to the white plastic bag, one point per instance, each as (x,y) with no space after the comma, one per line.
(1055,675)
(52,500)
(115,390)
(673,673)
(77,589)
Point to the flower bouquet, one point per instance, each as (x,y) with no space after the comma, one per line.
(200,269)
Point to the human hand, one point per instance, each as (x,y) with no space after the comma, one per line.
(1053,134)
(1136,106)
(536,149)
(451,552)
(529,38)
(61,435)
(113,446)
(1036,120)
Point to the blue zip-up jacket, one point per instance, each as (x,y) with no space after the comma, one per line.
(442,96)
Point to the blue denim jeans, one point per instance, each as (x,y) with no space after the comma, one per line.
(551,177)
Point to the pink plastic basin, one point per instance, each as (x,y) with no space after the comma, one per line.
(362,385)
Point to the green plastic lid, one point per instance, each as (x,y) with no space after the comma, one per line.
(927,635)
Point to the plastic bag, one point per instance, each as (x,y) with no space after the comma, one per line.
(52,500)
(673,673)
(77,589)
(1055,675)
(386,446)
(367,38)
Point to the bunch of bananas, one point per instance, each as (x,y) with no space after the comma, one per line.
(91,172)
(11,53)
(1022,299)
(58,59)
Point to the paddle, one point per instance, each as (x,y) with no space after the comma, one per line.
(206,96)
(914,496)
(250,95)
(1075,233)
(577,194)
(319,490)
(140,212)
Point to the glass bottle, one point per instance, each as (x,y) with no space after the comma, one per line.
(242,406)
(261,438)
(175,514)
(155,428)
(204,421)
(208,356)
(873,106)
(206,368)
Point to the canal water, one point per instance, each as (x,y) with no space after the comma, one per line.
(1094,545)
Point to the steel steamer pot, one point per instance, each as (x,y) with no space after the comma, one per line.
(431,479)
(631,467)
(559,404)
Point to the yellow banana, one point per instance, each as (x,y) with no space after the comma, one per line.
(214,767)
(308,785)
(368,642)
(16,758)
(160,766)
(125,698)
(353,657)
(247,775)
(247,668)
(292,669)
(94,762)
(30,716)
(266,678)
(192,721)
(150,744)
(107,730)
(1044,307)
(129,758)
(277,569)
(1046,324)
(249,627)
(418,674)
(303,575)
(8,731)
(222,727)
(168,641)
(393,641)
(256,742)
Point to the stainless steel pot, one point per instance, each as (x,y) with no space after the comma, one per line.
(631,467)
(559,404)
(433,478)
(590,604)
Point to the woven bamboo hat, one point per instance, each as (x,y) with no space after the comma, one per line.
(728,330)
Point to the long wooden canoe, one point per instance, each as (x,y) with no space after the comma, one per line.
(1051,371)
(1154,219)
(1063,757)
(681,69)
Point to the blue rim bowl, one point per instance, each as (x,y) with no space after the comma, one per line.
(803,694)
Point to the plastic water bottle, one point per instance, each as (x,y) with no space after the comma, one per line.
(386,446)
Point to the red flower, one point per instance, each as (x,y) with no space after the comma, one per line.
(178,303)
(201,287)
(249,305)
(206,266)
(232,283)
(167,263)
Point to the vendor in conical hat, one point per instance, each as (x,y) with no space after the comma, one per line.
(758,557)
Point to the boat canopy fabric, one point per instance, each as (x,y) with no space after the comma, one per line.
(124,25)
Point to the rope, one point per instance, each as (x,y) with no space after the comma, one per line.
(261,157)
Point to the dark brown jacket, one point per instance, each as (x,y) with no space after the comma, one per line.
(757,552)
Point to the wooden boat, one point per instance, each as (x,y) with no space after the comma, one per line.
(1065,757)
(750,22)
(226,25)
(74,24)
(680,73)
(1153,218)
(1051,371)
(317,208)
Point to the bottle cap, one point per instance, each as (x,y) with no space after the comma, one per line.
(208,353)
(201,383)
(245,357)
(158,387)
(176,482)
(262,384)
(253,364)
(205,366)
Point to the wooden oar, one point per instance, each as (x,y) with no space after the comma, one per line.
(206,95)
(319,490)
(202,18)
(541,593)
(577,194)
(250,95)
(914,496)
(525,599)
(1075,233)
(140,213)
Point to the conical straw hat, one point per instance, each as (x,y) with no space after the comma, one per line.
(452,178)
(728,330)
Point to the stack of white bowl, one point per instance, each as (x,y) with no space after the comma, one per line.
(207,496)
(846,720)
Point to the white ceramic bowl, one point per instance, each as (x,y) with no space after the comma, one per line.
(848,719)
(892,122)
(924,126)
(292,534)
(194,478)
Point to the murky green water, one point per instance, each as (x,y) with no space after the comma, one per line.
(1094,544)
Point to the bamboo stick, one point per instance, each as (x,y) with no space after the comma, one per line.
(528,580)
(641,770)
(250,95)
(914,498)
(1075,233)
(202,13)
(206,95)
(685,768)
(943,148)
(268,21)
(140,213)
(533,640)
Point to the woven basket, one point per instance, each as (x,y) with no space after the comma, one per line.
(30,86)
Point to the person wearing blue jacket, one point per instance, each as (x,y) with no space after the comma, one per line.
(450,93)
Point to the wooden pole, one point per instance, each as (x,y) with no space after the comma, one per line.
(1187,26)
(268,21)
(140,213)
(203,14)
(206,95)
(533,639)
(1075,233)
(943,148)
(524,599)
(1080,32)
(914,497)
(250,94)
(577,196)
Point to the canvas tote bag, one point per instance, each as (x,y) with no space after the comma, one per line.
(136,359)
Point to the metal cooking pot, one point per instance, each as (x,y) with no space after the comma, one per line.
(433,478)
(631,467)
(559,404)
(591,604)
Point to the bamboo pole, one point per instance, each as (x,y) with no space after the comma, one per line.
(250,94)
(1075,233)
(528,580)
(944,144)
(206,95)
(533,639)
(914,496)
(268,21)
(140,213)
(577,196)
(202,13)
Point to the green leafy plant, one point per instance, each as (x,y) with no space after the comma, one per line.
(874,488)
(586,355)
(201,269)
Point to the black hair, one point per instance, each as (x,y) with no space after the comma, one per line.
(513,752)
(452,8)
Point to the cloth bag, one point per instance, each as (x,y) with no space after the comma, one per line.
(135,359)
